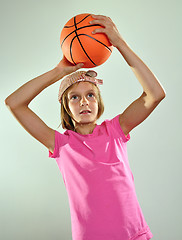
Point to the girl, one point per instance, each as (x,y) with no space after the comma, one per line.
(93,158)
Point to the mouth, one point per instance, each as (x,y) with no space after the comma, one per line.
(85,112)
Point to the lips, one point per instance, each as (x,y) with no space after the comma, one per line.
(85,111)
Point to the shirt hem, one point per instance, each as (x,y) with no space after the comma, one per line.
(146,231)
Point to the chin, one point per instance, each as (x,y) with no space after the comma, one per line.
(87,119)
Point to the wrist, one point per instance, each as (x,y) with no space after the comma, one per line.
(60,72)
(121,44)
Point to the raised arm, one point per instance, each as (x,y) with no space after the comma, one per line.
(152,93)
(19,100)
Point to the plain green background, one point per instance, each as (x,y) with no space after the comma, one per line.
(33,201)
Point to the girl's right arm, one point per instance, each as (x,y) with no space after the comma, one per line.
(19,100)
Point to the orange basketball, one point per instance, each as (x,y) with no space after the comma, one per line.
(80,45)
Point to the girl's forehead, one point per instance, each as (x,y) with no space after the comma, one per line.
(82,87)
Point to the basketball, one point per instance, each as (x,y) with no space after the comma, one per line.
(79,45)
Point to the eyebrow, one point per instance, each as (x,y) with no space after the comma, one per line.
(91,90)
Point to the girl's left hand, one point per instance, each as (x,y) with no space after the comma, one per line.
(109,29)
(65,67)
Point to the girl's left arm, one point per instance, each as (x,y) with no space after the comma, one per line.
(153,92)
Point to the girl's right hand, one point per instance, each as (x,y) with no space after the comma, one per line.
(65,67)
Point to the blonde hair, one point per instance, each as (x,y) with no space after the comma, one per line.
(66,116)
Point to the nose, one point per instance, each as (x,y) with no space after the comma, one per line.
(83,101)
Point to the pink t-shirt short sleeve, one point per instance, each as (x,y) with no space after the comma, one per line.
(59,142)
(100,184)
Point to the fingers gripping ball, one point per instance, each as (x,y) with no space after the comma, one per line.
(80,45)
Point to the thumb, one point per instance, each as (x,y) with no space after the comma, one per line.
(79,65)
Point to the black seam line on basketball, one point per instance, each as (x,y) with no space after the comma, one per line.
(77,30)
(81,43)
(78,22)
(71,51)
(96,40)
(71,46)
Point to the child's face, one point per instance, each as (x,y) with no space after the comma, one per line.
(83,96)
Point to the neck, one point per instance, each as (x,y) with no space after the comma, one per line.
(84,129)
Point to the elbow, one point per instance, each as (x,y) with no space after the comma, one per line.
(13,104)
(7,102)
(158,97)
(161,96)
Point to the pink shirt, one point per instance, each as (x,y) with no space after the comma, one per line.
(100,184)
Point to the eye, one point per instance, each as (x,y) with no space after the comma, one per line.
(74,97)
(91,95)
